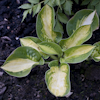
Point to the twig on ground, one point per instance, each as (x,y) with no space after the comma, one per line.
(6,37)
(18,1)
(2,60)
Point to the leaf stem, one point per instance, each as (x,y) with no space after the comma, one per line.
(53,57)
(41,2)
(46,62)
(57,10)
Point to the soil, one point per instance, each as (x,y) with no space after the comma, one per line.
(85,76)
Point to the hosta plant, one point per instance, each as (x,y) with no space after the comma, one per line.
(36,51)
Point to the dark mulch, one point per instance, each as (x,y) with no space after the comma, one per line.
(85,76)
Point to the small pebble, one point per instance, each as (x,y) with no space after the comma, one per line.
(17,38)
(27,81)
(5,19)
(8,27)
(18,16)
(1,27)
(38,95)
(8,7)
(18,1)
(1,73)
(2,88)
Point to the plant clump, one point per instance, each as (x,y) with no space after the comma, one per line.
(36,51)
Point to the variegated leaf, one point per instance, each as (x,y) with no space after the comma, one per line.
(77,54)
(45,24)
(83,17)
(81,35)
(50,48)
(58,80)
(32,42)
(21,61)
(96,52)
(85,20)
(89,19)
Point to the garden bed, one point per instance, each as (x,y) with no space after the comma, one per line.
(85,76)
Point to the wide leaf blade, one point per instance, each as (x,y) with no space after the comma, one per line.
(89,19)
(53,63)
(96,52)
(77,54)
(45,24)
(81,35)
(21,60)
(58,80)
(76,21)
(50,48)
(32,42)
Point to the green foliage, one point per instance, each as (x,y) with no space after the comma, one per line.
(53,63)
(58,27)
(77,54)
(36,9)
(67,6)
(62,17)
(81,35)
(49,43)
(33,1)
(79,18)
(46,1)
(77,1)
(85,2)
(34,6)
(96,52)
(26,6)
(51,48)
(92,4)
(25,14)
(32,42)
